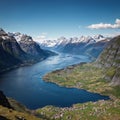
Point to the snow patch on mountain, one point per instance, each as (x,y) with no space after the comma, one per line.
(62,41)
(16,35)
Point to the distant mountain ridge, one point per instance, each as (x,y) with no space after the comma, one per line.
(64,41)
(91,46)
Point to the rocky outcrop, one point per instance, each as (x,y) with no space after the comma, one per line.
(110,60)
(13,110)
(4,101)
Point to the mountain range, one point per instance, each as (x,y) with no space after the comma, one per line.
(14,53)
(91,46)
(87,45)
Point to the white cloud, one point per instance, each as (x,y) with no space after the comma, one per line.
(41,37)
(105,25)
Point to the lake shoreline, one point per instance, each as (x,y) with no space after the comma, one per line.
(29,63)
(70,67)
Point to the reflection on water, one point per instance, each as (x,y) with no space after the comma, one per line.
(25,84)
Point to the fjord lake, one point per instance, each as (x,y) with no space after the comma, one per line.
(25,84)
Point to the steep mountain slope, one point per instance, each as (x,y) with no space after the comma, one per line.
(10,51)
(32,48)
(11,46)
(110,60)
(13,54)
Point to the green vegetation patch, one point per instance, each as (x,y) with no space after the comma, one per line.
(15,115)
(91,78)
(84,76)
(101,110)
(111,71)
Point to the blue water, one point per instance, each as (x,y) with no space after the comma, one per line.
(25,84)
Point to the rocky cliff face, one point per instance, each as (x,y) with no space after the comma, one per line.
(33,49)
(110,60)
(10,51)
(11,46)
(4,101)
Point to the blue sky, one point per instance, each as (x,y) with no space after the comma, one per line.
(55,18)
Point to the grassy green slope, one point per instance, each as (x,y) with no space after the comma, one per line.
(13,110)
(15,115)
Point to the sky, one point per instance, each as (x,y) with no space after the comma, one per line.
(51,19)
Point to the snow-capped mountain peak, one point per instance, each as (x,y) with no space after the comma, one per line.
(62,41)
(48,43)
(16,35)
(99,37)
(2,32)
